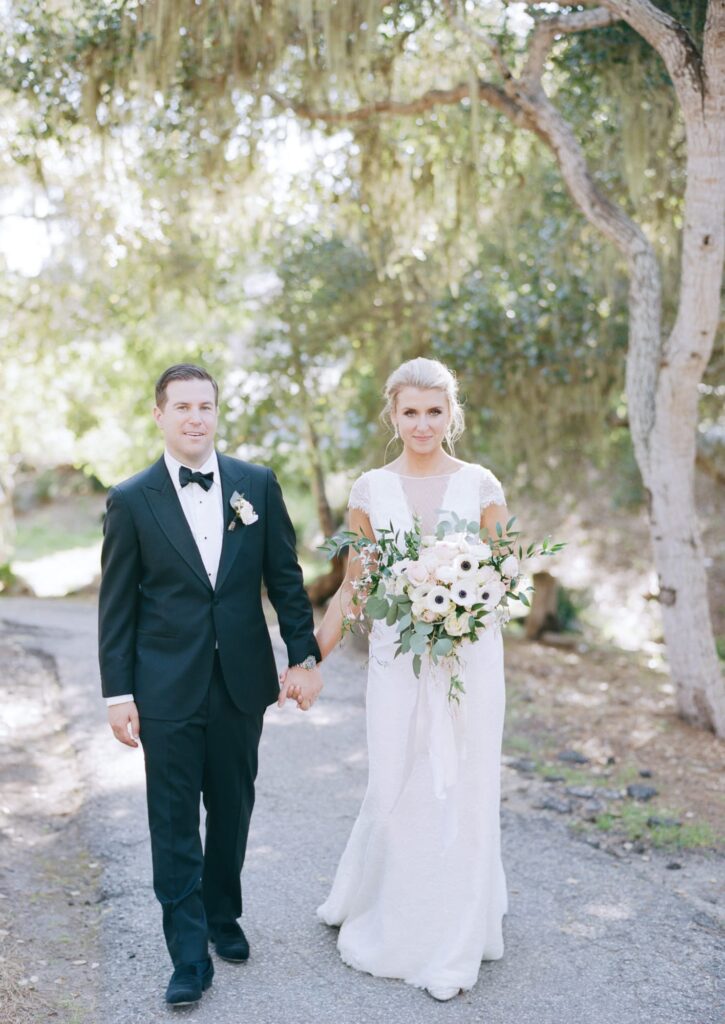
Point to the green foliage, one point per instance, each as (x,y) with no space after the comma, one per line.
(7,578)
(567,609)
(146,129)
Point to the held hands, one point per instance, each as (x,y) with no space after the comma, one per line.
(120,717)
(300,684)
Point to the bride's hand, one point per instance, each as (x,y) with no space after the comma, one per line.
(292,691)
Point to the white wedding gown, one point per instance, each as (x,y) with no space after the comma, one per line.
(420,891)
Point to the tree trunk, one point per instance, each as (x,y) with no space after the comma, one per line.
(327,584)
(543,614)
(669,463)
(324,512)
(662,378)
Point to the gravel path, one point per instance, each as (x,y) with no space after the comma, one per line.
(590,938)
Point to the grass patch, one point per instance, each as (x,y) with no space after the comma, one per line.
(58,527)
(629,773)
(572,776)
(631,821)
(519,745)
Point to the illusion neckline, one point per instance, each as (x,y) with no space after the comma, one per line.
(428,476)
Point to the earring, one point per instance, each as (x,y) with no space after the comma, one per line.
(396,435)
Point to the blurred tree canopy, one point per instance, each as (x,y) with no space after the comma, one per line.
(183,213)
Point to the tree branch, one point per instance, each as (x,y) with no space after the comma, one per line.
(492,94)
(547,30)
(671,40)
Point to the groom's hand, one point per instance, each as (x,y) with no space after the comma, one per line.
(302,685)
(120,717)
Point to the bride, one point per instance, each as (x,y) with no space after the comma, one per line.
(420,890)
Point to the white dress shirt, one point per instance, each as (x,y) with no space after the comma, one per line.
(204,512)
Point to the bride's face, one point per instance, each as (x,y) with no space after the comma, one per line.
(422,416)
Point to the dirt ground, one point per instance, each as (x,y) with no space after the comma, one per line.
(48,882)
(608,706)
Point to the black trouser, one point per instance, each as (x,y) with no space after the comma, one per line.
(212,754)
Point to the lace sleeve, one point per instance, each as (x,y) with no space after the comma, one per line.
(360,495)
(491,491)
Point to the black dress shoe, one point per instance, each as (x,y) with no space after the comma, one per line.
(188,982)
(231,942)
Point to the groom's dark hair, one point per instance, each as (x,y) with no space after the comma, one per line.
(183,371)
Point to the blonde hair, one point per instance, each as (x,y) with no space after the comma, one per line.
(426,374)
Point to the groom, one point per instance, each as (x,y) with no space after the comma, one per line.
(187,664)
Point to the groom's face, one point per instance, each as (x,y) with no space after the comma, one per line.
(188,420)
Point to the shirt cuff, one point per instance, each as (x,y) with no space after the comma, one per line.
(123,699)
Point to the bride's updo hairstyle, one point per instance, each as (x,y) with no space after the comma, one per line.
(426,374)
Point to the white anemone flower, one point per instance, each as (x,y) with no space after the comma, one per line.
(465,564)
(481,551)
(399,567)
(438,601)
(465,591)
(490,594)
(446,574)
(420,593)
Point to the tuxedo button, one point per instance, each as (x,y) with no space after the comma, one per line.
(215,601)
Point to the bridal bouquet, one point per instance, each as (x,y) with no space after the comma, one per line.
(440,591)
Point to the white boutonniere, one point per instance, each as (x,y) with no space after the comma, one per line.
(243,510)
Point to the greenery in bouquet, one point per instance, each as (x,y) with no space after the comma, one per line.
(439,590)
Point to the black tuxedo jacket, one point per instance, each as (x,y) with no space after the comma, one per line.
(160,619)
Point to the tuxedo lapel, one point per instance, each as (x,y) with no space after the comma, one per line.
(166,508)
(232,480)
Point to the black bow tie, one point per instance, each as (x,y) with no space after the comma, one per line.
(186,476)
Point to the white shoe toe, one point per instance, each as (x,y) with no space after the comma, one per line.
(442,993)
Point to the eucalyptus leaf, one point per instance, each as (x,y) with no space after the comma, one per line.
(376,607)
(418,643)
